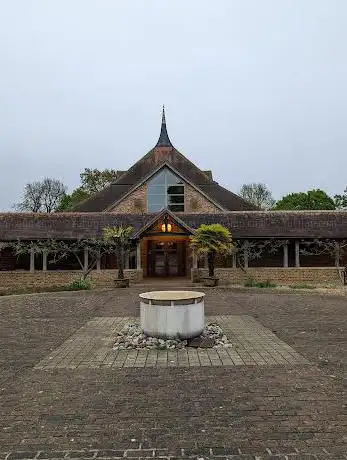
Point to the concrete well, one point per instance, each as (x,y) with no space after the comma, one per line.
(169,314)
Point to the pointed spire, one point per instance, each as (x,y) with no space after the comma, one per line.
(163,140)
(163,119)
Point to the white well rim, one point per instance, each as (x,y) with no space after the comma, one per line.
(171,295)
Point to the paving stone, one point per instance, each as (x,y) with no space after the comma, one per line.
(21,455)
(293,404)
(91,347)
(110,453)
(81,454)
(51,455)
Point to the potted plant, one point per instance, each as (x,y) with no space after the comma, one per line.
(121,238)
(211,240)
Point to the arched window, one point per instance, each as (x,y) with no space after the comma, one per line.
(165,190)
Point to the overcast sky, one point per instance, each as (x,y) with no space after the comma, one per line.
(254,89)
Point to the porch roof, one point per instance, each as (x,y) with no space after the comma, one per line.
(242,224)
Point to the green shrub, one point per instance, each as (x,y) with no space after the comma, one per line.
(266,284)
(302,286)
(79,285)
(250,282)
(260,284)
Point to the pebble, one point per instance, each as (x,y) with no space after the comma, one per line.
(132,337)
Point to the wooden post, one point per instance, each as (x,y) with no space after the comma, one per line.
(234,260)
(195,259)
(337,255)
(86,261)
(32,260)
(138,255)
(245,254)
(44,260)
(127,255)
(285,256)
(98,262)
(297,253)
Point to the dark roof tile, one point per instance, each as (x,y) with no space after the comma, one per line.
(246,224)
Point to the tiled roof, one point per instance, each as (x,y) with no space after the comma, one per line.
(246,224)
(163,152)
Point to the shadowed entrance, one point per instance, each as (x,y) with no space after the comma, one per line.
(166,258)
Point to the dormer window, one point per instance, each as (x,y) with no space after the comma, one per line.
(165,190)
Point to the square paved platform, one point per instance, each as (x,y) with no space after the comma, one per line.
(91,347)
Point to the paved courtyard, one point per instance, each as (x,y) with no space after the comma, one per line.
(278,392)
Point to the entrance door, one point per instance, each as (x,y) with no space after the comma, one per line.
(166,258)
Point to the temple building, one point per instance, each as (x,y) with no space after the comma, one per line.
(165,197)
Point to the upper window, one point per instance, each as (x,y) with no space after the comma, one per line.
(165,190)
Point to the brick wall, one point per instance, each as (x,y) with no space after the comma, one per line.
(23,279)
(289,275)
(136,202)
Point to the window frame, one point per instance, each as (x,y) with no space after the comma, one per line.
(166,195)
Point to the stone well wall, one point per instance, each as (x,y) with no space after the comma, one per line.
(291,275)
(24,279)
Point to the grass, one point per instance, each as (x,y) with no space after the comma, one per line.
(76,285)
(302,286)
(260,284)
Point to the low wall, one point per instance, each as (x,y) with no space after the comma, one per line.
(23,279)
(291,275)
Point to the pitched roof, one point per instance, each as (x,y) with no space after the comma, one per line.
(163,153)
(246,224)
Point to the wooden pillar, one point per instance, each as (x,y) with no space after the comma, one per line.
(285,256)
(245,254)
(86,261)
(195,259)
(337,252)
(32,260)
(297,253)
(44,261)
(127,255)
(234,260)
(138,255)
(98,262)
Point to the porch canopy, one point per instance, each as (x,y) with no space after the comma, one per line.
(242,224)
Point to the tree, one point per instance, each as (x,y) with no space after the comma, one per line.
(68,202)
(257,194)
(59,250)
(341,200)
(211,240)
(313,199)
(42,196)
(94,180)
(121,238)
(248,250)
(336,249)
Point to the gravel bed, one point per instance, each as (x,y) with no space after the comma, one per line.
(132,337)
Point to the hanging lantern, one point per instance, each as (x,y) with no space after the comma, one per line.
(166,226)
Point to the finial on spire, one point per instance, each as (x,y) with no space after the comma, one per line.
(163,119)
(163,140)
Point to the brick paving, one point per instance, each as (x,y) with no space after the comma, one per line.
(238,411)
(91,347)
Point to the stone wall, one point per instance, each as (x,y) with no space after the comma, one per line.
(136,202)
(195,203)
(291,275)
(23,279)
